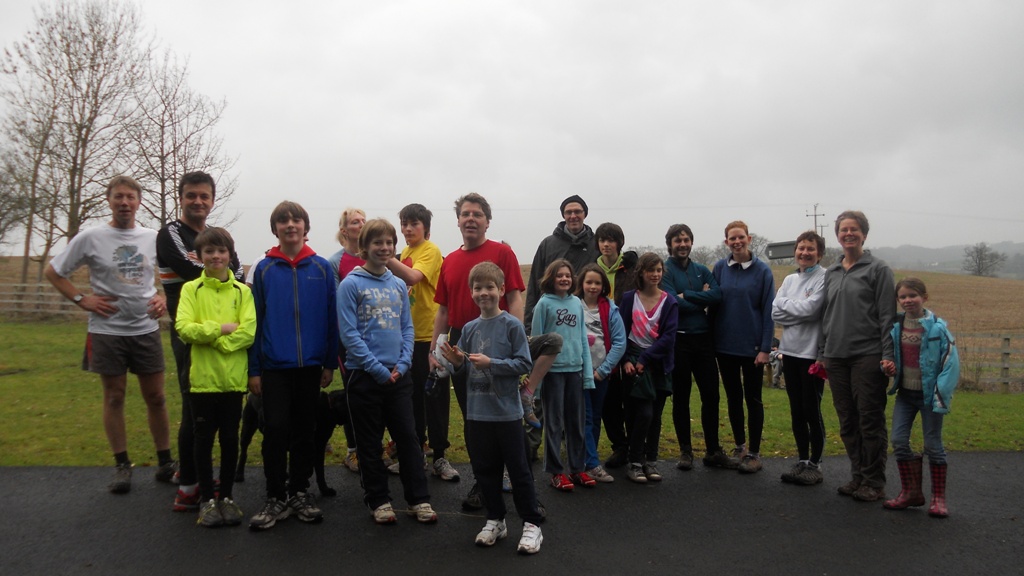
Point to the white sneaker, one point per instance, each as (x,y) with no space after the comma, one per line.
(384,514)
(493,531)
(531,540)
(424,513)
(444,470)
(600,474)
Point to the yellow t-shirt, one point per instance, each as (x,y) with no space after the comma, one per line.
(427,258)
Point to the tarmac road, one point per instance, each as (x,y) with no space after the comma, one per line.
(63,521)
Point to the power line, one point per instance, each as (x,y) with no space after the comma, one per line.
(819,228)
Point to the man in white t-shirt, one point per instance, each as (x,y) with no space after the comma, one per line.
(124,333)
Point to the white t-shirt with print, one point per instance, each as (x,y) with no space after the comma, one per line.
(122,264)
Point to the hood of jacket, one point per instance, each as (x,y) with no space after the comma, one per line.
(306,252)
(363,273)
(584,238)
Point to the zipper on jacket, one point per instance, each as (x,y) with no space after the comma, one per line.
(298,326)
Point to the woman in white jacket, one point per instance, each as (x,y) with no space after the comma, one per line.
(797,308)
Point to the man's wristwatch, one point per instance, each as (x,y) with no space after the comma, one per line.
(77,298)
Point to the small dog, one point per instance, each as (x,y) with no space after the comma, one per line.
(331,412)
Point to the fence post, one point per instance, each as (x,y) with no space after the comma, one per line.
(1004,371)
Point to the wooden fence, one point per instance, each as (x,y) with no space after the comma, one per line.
(36,301)
(987,362)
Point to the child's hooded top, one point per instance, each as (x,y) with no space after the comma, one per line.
(219,361)
(939,362)
(565,317)
(295,325)
(375,323)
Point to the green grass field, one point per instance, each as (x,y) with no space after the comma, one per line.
(50,410)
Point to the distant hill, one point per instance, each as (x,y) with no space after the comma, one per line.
(949,258)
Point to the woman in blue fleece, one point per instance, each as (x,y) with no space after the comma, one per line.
(743,338)
(377,332)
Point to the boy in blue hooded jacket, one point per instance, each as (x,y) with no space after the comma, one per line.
(377,332)
(294,355)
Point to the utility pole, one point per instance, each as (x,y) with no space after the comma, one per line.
(819,229)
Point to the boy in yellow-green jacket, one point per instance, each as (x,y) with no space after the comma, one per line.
(217,316)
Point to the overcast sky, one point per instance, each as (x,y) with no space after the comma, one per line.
(655,112)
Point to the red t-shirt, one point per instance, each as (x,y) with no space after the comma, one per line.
(453,286)
(347,264)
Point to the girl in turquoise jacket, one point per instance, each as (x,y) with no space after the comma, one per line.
(926,371)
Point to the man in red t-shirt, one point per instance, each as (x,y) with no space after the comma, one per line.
(455,297)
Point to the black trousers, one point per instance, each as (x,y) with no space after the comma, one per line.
(695,362)
(216,414)
(372,407)
(289,411)
(495,446)
(186,429)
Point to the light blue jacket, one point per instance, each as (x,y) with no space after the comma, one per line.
(565,317)
(940,362)
(375,323)
(617,348)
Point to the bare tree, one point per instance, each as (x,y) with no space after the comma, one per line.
(758,245)
(33,101)
(831,256)
(661,251)
(70,86)
(982,260)
(13,206)
(171,134)
(704,255)
(708,255)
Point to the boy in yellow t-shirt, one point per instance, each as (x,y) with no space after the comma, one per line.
(419,266)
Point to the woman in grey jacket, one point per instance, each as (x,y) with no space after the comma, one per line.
(857,350)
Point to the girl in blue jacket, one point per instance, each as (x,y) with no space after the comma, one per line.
(926,372)
(606,336)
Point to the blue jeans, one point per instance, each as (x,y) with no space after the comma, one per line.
(908,404)
(594,400)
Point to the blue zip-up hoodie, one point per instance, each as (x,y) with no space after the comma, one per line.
(375,323)
(939,360)
(294,324)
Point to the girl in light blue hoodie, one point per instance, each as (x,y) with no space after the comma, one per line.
(558,310)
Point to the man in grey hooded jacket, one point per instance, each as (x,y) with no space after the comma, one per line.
(572,240)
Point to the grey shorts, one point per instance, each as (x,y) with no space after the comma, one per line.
(545,345)
(109,355)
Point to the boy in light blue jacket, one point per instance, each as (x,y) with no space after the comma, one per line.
(376,330)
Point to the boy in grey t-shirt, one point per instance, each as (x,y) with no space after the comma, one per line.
(498,354)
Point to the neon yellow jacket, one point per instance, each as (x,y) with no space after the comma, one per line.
(220,363)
